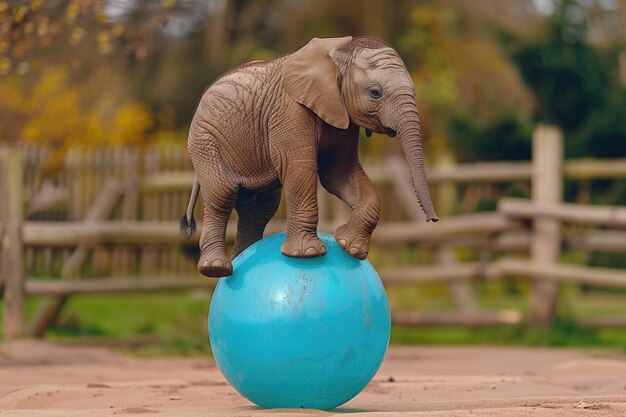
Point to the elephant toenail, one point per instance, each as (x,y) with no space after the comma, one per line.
(310,252)
(342,243)
(353,251)
(218,263)
(323,250)
(295,253)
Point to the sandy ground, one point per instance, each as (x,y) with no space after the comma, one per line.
(42,379)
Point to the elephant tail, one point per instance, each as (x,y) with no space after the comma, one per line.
(187,222)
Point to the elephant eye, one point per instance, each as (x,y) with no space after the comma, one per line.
(375,92)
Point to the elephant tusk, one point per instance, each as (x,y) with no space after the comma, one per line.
(368,132)
(390,132)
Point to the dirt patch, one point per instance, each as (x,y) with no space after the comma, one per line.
(138,410)
(43,379)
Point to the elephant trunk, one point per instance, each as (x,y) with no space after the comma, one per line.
(408,128)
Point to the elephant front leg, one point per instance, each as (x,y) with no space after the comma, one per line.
(352,186)
(300,183)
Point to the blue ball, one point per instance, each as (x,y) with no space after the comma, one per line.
(299,333)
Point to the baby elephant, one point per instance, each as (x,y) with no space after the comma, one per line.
(282,123)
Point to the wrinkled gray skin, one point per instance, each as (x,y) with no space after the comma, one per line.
(283,123)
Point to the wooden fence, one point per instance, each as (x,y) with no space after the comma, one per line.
(119,229)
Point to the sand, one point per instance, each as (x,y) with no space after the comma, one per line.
(44,379)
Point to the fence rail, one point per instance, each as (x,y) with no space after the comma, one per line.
(481,172)
(598,215)
(123,206)
(107,232)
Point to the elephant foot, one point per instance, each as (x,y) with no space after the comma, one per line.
(303,246)
(355,242)
(214,266)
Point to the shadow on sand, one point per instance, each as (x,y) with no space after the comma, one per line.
(308,410)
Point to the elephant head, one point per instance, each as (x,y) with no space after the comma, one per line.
(364,81)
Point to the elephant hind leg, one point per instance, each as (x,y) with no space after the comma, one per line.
(255,210)
(219,199)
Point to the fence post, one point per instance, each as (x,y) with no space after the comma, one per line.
(12,272)
(547,188)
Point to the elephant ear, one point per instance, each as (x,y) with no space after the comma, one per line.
(310,77)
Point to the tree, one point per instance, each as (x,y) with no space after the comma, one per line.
(575,84)
(63,66)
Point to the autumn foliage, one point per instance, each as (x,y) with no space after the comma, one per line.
(111,73)
(64,69)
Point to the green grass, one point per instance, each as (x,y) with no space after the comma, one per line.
(172,323)
(561,333)
(175,323)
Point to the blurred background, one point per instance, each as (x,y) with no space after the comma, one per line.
(95,101)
